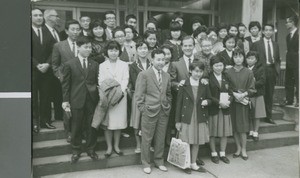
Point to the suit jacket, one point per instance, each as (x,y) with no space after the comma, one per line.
(40,52)
(185,103)
(76,84)
(260,79)
(179,72)
(259,46)
(124,56)
(224,55)
(134,70)
(108,35)
(60,55)
(215,90)
(149,97)
(292,55)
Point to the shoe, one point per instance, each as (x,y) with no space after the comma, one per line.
(201,169)
(215,159)
(147,170)
(162,168)
(270,121)
(286,103)
(125,135)
(200,162)
(255,139)
(244,157)
(235,155)
(137,151)
(151,149)
(120,153)
(188,170)
(75,158)
(49,126)
(93,155)
(36,129)
(296,104)
(69,139)
(249,136)
(107,155)
(224,159)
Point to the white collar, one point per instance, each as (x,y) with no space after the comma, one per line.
(155,70)
(50,28)
(187,58)
(36,29)
(266,40)
(218,77)
(251,67)
(293,32)
(194,82)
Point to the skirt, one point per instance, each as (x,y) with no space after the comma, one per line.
(258,107)
(240,117)
(135,118)
(220,125)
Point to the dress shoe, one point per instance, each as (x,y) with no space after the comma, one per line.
(244,157)
(120,153)
(75,158)
(162,168)
(270,121)
(93,155)
(137,150)
(107,155)
(188,170)
(48,126)
(286,103)
(224,159)
(296,104)
(215,159)
(200,162)
(236,155)
(255,139)
(201,169)
(69,139)
(36,129)
(147,170)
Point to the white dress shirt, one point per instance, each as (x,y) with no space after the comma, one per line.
(156,74)
(166,67)
(37,33)
(266,47)
(53,32)
(81,59)
(293,32)
(71,46)
(186,60)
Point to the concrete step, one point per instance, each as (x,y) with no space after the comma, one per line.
(59,133)
(61,164)
(61,147)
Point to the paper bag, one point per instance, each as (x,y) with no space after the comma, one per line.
(179,154)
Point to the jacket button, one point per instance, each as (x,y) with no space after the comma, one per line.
(186,98)
(203,114)
(182,115)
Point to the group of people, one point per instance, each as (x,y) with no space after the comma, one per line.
(214,83)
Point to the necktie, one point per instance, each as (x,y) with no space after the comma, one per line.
(73,49)
(54,35)
(270,60)
(159,78)
(190,61)
(40,36)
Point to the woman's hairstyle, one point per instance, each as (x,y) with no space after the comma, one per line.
(212,29)
(112,45)
(233,25)
(98,23)
(81,40)
(152,20)
(175,26)
(253,24)
(115,30)
(252,53)
(196,64)
(132,29)
(220,27)
(140,43)
(199,30)
(227,37)
(148,33)
(197,19)
(215,59)
(238,51)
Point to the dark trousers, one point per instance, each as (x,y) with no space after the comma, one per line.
(35,99)
(292,81)
(269,86)
(56,97)
(81,117)
(153,128)
(44,84)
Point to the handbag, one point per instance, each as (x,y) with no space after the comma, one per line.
(179,153)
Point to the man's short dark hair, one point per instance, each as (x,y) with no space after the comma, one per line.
(157,51)
(108,12)
(130,16)
(197,19)
(294,19)
(35,8)
(71,22)
(81,40)
(187,38)
(253,24)
(268,25)
(84,16)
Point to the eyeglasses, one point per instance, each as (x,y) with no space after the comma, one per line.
(110,18)
(55,16)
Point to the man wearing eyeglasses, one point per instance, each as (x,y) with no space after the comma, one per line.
(110,21)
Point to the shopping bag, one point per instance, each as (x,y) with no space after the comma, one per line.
(179,154)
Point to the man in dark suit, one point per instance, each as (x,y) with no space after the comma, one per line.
(80,95)
(292,62)
(64,51)
(51,34)
(110,21)
(268,51)
(85,25)
(153,98)
(41,74)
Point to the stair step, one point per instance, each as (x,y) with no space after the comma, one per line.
(281,126)
(61,164)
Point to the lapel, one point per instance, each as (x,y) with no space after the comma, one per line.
(154,78)
(215,81)
(78,64)
(262,46)
(188,88)
(182,65)
(67,48)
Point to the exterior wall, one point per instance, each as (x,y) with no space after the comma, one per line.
(230,11)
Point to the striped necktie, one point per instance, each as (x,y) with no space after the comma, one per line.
(159,79)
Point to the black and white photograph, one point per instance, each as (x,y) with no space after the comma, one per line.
(160,88)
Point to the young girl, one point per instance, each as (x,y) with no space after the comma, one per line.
(192,113)
(129,44)
(150,38)
(219,113)
(115,69)
(242,32)
(175,41)
(242,86)
(233,30)
(141,63)
(119,36)
(257,100)
(254,29)
(229,43)
(222,33)
(99,39)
